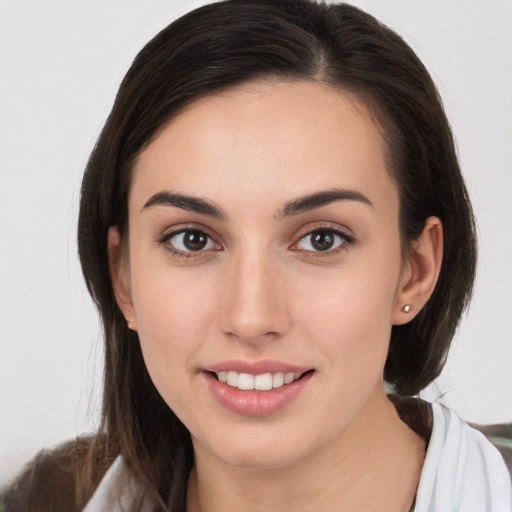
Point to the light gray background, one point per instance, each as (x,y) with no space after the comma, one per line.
(60,64)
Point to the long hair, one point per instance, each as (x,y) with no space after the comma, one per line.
(223,45)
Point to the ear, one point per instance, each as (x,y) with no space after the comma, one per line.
(119,275)
(420,272)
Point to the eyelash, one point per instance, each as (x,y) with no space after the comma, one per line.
(345,242)
(165,241)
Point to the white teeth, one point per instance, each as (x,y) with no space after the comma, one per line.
(232,378)
(245,381)
(278,380)
(289,378)
(262,382)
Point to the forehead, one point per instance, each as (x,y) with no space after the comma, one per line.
(296,136)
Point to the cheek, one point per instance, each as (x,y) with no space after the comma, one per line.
(350,314)
(174,313)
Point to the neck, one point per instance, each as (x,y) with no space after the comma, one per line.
(373,465)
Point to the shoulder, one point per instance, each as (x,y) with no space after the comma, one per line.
(62,479)
(492,444)
(419,416)
(501,437)
(120,491)
(469,465)
(462,467)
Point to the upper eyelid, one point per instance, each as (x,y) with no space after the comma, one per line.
(171,231)
(339,230)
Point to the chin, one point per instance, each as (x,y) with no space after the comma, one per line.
(262,449)
(260,460)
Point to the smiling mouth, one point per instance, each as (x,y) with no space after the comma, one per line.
(261,382)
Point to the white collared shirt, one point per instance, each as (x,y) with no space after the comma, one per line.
(463,472)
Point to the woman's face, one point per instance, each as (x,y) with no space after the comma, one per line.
(264,248)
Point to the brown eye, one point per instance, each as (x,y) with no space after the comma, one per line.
(191,240)
(321,240)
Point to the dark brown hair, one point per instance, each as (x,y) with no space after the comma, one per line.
(222,45)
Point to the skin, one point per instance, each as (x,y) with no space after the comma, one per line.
(260,290)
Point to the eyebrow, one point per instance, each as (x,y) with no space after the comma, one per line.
(188,203)
(299,205)
(319,199)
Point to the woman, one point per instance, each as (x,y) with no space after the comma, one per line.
(272,221)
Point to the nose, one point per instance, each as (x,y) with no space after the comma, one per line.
(254,305)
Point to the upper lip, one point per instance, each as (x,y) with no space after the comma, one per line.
(256,367)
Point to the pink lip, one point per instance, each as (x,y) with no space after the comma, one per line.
(256,367)
(256,403)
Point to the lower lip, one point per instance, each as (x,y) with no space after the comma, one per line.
(255,403)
